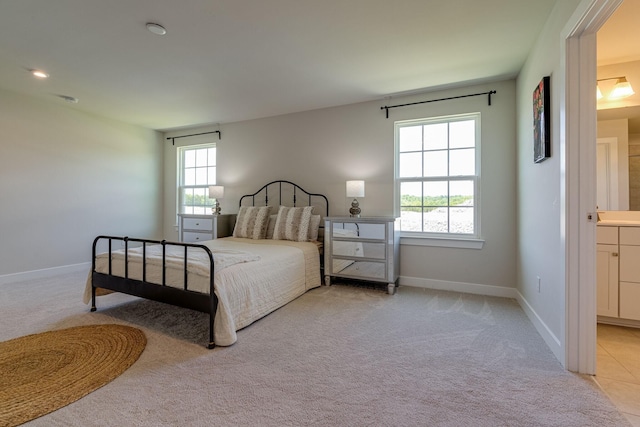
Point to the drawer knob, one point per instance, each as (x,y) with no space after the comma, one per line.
(614,254)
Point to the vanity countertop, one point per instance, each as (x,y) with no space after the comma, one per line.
(619,218)
(619,223)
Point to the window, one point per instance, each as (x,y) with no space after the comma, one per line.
(437,174)
(196,172)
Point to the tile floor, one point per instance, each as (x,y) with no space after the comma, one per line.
(618,368)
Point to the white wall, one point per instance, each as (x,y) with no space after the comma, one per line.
(320,150)
(65,177)
(541,250)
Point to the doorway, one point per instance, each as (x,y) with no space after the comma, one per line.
(579,184)
(617,373)
(607,174)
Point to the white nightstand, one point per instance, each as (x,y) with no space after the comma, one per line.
(198,228)
(365,248)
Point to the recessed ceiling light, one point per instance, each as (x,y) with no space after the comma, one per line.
(39,74)
(156,28)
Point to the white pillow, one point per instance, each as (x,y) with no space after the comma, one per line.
(252,222)
(293,223)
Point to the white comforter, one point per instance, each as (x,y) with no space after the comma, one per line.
(259,277)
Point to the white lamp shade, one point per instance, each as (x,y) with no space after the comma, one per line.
(621,89)
(216,191)
(355,188)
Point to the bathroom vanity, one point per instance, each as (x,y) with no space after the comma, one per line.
(618,268)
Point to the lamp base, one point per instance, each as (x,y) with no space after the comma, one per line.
(355,209)
(215,210)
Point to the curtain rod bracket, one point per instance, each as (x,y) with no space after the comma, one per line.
(173,138)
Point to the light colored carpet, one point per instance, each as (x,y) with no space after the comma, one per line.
(337,356)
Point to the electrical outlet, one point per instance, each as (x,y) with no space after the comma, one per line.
(538,283)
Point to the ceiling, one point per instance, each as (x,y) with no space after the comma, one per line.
(619,43)
(619,37)
(229,60)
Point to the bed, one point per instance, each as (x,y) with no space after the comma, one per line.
(273,257)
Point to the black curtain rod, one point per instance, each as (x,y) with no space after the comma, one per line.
(173,138)
(388,107)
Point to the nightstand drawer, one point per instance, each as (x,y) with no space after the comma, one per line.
(359,230)
(192,237)
(360,269)
(205,224)
(359,249)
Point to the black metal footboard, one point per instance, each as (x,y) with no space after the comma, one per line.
(183,297)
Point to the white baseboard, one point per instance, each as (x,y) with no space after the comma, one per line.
(46,272)
(469,288)
(496,291)
(547,335)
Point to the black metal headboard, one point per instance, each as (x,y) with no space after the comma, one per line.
(286,193)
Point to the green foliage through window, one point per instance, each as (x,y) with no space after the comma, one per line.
(197,200)
(410,203)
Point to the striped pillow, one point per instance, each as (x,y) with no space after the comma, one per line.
(271,226)
(314,225)
(293,224)
(252,222)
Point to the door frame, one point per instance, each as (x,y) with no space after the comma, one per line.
(578,188)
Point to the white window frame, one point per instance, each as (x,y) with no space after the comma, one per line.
(447,239)
(181,187)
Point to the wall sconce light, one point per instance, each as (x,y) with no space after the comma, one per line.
(355,189)
(622,88)
(216,192)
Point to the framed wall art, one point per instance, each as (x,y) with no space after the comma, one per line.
(542,121)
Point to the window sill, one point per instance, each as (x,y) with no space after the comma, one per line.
(443,242)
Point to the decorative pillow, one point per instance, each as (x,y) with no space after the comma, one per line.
(252,222)
(271,226)
(293,223)
(314,225)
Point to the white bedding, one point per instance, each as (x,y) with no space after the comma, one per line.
(264,275)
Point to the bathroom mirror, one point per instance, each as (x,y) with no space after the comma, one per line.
(621,174)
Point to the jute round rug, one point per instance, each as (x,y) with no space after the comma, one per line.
(43,372)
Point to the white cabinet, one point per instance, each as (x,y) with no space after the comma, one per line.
(618,271)
(362,248)
(630,273)
(198,228)
(607,271)
(607,279)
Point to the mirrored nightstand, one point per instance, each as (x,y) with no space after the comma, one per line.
(365,248)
